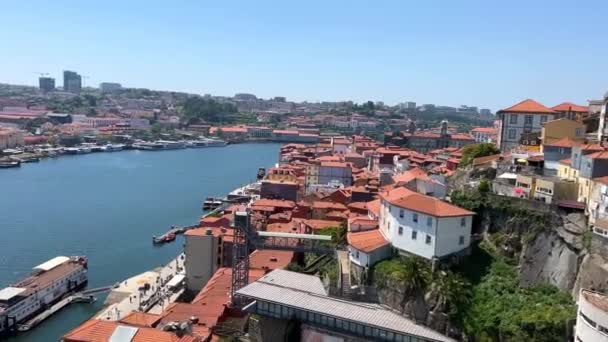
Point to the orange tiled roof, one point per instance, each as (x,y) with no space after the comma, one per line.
(410,175)
(407,199)
(564,142)
(100,331)
(603,180)
(320,224)
(374,206)
(527,106)
(269,259)
(273,203)
(460,136)
(490,130)
(566,161)
(486,159)
(142,319)
(570,107)
(366,241)
(598,155)
(328,205)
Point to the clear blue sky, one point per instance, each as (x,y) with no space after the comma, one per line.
(486,53)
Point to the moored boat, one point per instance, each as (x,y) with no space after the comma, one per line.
(48,283)
(9,163)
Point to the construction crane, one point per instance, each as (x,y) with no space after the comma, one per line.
(84,77)
(246,238)
(42,74)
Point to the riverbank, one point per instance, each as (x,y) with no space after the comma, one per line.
(107,206)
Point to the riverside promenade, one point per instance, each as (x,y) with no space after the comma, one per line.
(143,292)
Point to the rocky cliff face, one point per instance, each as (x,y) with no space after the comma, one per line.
(548,245)
(422,307)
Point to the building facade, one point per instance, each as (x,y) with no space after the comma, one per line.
(592,317)
(423,225)
(72,82)
(527,116)
(46,84)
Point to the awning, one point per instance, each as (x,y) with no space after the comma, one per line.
(508,175)
(571,204)
(176,280)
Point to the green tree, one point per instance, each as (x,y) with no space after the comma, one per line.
(156,129)
(484,186)
(473,151)
(197,110)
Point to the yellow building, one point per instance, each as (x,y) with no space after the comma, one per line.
(527,185)
(555,130)
(565,170)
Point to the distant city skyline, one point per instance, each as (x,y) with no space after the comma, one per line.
(466,53)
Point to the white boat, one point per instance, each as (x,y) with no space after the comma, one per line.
(48,283)
(171,145)
(114,147)
(215,142)
(77,150)
(196,143)
(148,146)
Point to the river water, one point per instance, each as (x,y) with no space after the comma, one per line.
(107,206)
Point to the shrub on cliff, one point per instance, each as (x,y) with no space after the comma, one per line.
(502,310)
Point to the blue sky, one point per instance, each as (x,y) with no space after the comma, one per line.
(486,53)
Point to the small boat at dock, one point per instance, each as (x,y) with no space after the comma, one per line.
(9,163)
(168,236)
(211,203)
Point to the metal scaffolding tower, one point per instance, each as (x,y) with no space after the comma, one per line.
(240,256)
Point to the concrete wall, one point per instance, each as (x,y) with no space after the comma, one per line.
(201,260)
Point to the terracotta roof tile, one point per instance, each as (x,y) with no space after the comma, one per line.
(366,241)
(527,106)
(570,107)
(407,199)
(564,142)
(142,319)
(598,155)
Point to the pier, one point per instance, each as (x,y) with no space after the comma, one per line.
(145,292)
(75,298)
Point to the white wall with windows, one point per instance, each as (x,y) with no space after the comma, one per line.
(514,124)
(591,321)
(424,235)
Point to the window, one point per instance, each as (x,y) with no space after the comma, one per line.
(401,213)
(528,120)
(543,119)
(512,133)
(579,132)
(461,240)
(415,217)
(588,320)
(414,234)
(357,255)
(513,119)
(400,230)
(428,239)
(463,221)
(429,221)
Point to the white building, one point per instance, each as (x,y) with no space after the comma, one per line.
(527,116)
(423,225)
(592,317)
(602,131)
(484,134)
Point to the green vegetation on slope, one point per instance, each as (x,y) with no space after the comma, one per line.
(473,151)
(501,310)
